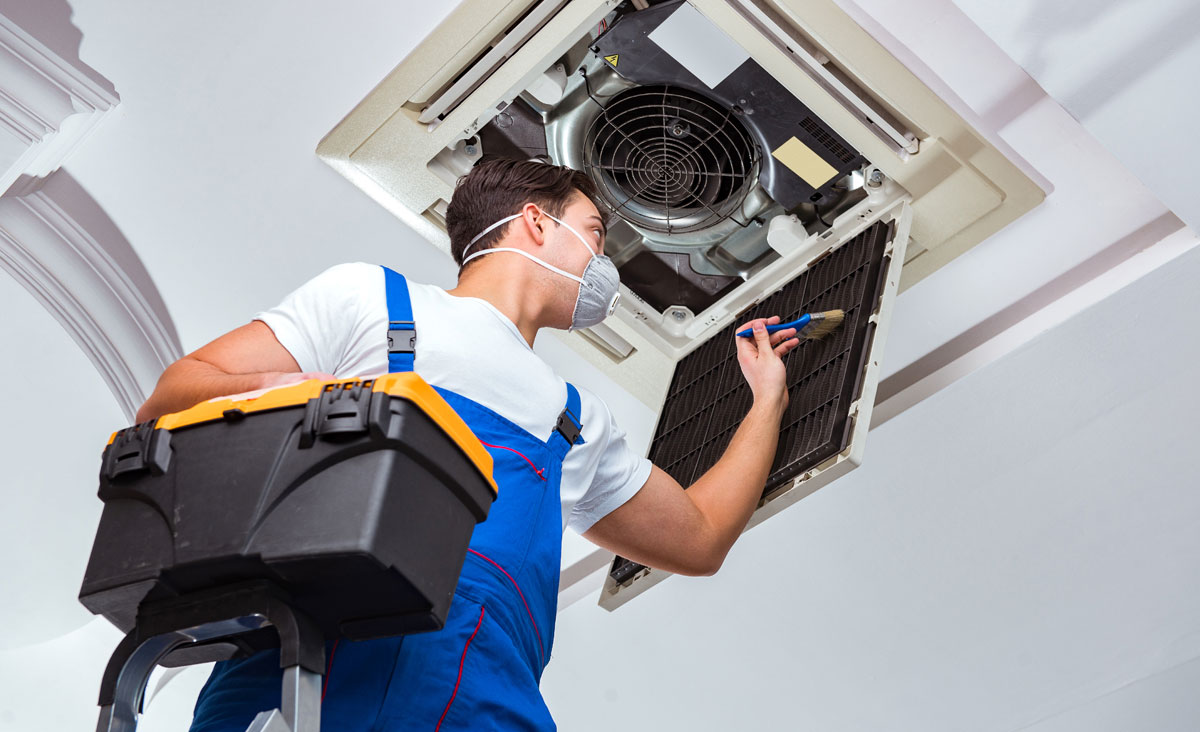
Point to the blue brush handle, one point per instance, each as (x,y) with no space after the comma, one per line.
(797,324)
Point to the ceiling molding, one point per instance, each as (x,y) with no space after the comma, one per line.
(61,246)
(1126,260)
(48,104)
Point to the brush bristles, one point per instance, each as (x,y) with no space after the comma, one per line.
(822,324)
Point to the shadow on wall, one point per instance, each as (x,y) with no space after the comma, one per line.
(79,205)
(62,247)
(1050,21)
(49,21)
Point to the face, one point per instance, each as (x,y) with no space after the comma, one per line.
(581,215)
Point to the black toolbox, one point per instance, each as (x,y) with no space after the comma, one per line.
(356,497)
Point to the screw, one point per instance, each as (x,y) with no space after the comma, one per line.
(679,314)
(470,149)
(876,178)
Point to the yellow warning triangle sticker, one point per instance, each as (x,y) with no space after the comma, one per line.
(612,59)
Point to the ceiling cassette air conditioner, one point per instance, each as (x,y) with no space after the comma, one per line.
(755,157)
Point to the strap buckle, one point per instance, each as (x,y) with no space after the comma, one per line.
(400,341)
(568,427)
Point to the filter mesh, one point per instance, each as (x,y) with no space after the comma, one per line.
(709,397)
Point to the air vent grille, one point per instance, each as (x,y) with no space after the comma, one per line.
(814,128)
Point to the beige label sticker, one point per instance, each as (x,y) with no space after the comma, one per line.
(801,160)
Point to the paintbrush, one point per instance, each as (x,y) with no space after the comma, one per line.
(809,326)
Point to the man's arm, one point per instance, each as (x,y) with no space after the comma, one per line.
(244,359)
(690,532)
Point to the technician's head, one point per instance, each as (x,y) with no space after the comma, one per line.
(538,216)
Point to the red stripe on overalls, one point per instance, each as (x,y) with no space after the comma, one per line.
(461,661)
(541,650)
(502,447)
(329,670)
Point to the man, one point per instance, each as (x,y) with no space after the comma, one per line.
(530,241)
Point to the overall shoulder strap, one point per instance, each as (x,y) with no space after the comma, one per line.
(402,331)
(569,427)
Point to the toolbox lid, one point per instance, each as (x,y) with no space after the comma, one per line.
(405,385)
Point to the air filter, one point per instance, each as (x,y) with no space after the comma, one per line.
(709,397)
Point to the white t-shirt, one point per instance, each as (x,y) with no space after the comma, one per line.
(336,323)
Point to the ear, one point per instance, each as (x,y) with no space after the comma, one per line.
(536,223)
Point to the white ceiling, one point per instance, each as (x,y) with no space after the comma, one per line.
(1096,200)
(1126,70)
(1019,549)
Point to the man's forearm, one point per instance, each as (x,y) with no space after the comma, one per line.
(188,382)
(729,492)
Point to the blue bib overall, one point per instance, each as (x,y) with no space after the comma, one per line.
(481,671)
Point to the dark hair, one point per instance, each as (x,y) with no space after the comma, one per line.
(498,187)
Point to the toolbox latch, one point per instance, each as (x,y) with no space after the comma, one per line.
(342,409)
(137,448)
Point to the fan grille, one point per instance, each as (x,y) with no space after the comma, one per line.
(669,159)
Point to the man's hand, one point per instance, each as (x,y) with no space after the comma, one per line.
(691,531)
(760,358)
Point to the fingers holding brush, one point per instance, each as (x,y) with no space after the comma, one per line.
(783,341)
(758,356)
(763,338)
(777,341)
(764,341)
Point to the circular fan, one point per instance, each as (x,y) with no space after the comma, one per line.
(670,160)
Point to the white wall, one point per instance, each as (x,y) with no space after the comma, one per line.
(58,415)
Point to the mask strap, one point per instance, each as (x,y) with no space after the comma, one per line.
(527,255)
(576,233)
(478,236)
